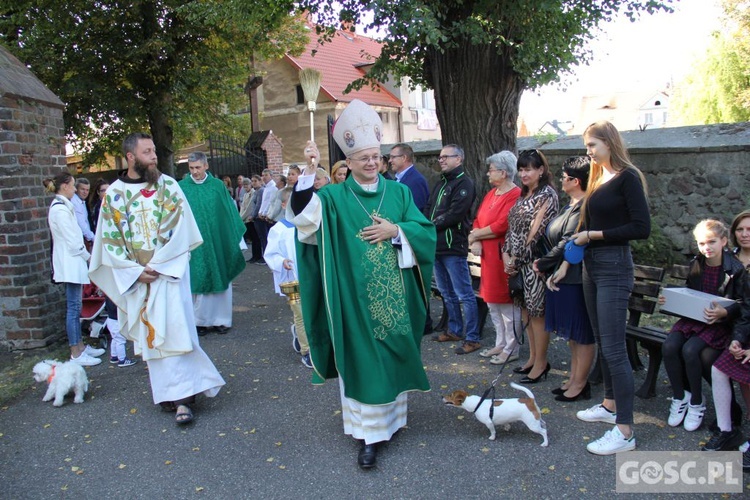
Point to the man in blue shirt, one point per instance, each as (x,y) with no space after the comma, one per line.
(402,162)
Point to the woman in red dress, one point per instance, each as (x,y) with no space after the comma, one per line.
(485,240)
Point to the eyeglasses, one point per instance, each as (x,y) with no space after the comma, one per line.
(367,159)
(397,156)
(445,157)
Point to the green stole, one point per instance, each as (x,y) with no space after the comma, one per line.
(364,315)
(219,260)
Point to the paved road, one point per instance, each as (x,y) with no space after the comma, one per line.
(271,434)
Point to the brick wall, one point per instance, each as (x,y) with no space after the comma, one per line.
(273,148)
(32,309)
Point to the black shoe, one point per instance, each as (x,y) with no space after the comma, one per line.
(222,329)
(746,460)
(523,371)
(367,455)
(202,331)
(560,390)
(724,441)
(528,380)
(584,394)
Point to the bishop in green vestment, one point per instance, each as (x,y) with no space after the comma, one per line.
(365,256)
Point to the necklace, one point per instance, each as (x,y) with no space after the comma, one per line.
(376,211)
(498,195)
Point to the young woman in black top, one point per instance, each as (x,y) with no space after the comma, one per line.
(614,212)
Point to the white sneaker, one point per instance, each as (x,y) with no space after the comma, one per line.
(93,352)
(677,410)
(85,360)
(597,413)
(694,416)
(612,442)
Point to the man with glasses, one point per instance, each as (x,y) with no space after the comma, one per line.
(365,264)
(402,162)
(448,208)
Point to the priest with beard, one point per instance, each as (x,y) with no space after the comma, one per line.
(365,256)
(140,260)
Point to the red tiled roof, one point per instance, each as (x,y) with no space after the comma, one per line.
(340,62)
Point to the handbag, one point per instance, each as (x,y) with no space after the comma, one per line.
(515,285)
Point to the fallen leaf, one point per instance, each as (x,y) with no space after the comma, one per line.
(222,434)
(199,488)
(282,467)
(122,466)
(586,438)
(196,449)
(567,478)
(47,425)
(133,411)
(551,467)
(274,397)
(582,490)
(269,459)
(68,459)
(278,444)
(167,462)
(485,450)
(64,488)
(545,410)
(75,468)
(252,431)
(471,386)
(672,436)
(460,417)
(443,386)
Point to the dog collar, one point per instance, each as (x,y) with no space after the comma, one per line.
(51,375)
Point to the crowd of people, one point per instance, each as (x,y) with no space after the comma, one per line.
(359,249)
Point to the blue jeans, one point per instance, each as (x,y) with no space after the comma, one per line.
(454,282)
(607,283)
(74,297)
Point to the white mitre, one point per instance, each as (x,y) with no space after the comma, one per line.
(359,127)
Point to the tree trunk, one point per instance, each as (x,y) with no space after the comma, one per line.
(161,131)
(477,95)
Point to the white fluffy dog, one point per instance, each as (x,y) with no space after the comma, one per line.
(62,379)
(504,412)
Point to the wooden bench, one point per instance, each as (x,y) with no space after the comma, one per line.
(475,270)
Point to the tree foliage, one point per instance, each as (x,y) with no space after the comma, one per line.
(174,67)
(479,55)
(717,90)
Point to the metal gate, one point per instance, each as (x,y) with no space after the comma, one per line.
(229,157)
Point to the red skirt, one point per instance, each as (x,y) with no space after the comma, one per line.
(733,368)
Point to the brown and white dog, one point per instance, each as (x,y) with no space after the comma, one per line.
(505,410)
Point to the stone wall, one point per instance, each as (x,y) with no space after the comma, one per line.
(692,172)
(32,148)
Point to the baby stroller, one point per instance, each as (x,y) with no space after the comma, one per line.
(93,314)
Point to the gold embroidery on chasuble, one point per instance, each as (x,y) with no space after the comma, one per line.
(385,291)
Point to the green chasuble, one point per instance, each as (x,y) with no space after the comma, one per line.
(219,260)
(364,315)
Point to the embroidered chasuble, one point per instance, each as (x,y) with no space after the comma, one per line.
(364,315)
(142,224)
(219,260)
